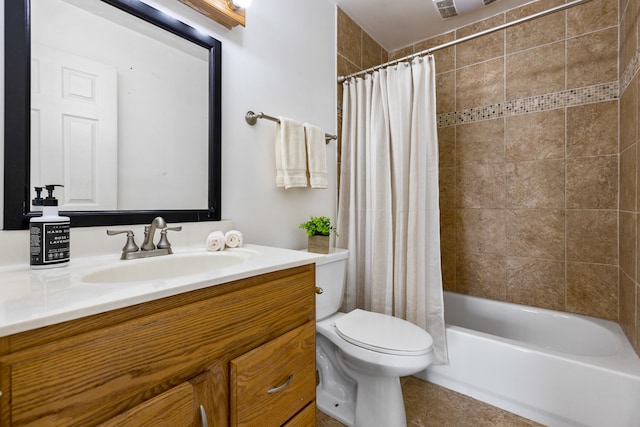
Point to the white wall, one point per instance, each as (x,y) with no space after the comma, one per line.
(282,63)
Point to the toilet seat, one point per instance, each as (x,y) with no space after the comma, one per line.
(383,333)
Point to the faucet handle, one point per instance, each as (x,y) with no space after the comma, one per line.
(164,242)
(130,246)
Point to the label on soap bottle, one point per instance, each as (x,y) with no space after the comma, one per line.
(49,243)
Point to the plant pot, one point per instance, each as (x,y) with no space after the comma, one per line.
(318,244)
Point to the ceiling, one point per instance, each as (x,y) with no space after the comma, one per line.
(395,24)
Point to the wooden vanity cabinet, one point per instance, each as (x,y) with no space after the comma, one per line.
(217,353)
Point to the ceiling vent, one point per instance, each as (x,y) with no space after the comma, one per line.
(452,8)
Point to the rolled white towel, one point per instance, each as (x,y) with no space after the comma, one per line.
(215,241)
(233,238)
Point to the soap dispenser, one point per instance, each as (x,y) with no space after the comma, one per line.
(49,234)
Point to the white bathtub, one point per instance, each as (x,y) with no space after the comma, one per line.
(555,368)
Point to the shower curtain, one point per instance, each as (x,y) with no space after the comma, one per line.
(388,214)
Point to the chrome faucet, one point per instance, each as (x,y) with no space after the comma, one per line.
(150,231)
(148,249)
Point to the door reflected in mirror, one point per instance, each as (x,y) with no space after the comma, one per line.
(118,109)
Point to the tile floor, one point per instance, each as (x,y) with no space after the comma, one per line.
(429,405)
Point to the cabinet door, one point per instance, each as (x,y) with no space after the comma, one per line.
(173,408)
(271,383)
(304,418)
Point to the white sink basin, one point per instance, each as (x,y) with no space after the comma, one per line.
(165,267)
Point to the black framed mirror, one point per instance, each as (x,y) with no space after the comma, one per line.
(18,125)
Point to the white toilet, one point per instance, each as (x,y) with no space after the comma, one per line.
(360,355)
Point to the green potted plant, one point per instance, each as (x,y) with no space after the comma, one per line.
(318,229)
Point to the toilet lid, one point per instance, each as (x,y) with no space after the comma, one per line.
(382,333)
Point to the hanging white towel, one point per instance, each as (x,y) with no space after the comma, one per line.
(316,156)
(291,161)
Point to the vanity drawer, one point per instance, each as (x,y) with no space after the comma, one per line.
(304,418)
(275,380)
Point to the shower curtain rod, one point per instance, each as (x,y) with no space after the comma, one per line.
(466,38)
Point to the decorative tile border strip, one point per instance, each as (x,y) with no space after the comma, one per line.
(551,101)
(568,98)
(629,72)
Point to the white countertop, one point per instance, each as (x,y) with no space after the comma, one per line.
(31,299)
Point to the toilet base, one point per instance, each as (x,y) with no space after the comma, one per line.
(336,392)
(341,410)
(379,404)
(356,399)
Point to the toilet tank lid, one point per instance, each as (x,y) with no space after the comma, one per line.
(335,254)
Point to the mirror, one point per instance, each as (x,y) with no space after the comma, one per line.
(123,108)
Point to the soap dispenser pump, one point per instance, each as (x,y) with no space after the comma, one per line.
(37,201)
(49,234)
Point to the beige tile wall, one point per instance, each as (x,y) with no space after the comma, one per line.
(356,51)
(629,150)
(531,199)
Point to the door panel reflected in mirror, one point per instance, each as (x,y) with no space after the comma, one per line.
(124,111)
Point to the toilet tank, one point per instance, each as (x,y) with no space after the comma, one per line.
(330,276)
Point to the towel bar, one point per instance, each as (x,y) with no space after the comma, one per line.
(252,119)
